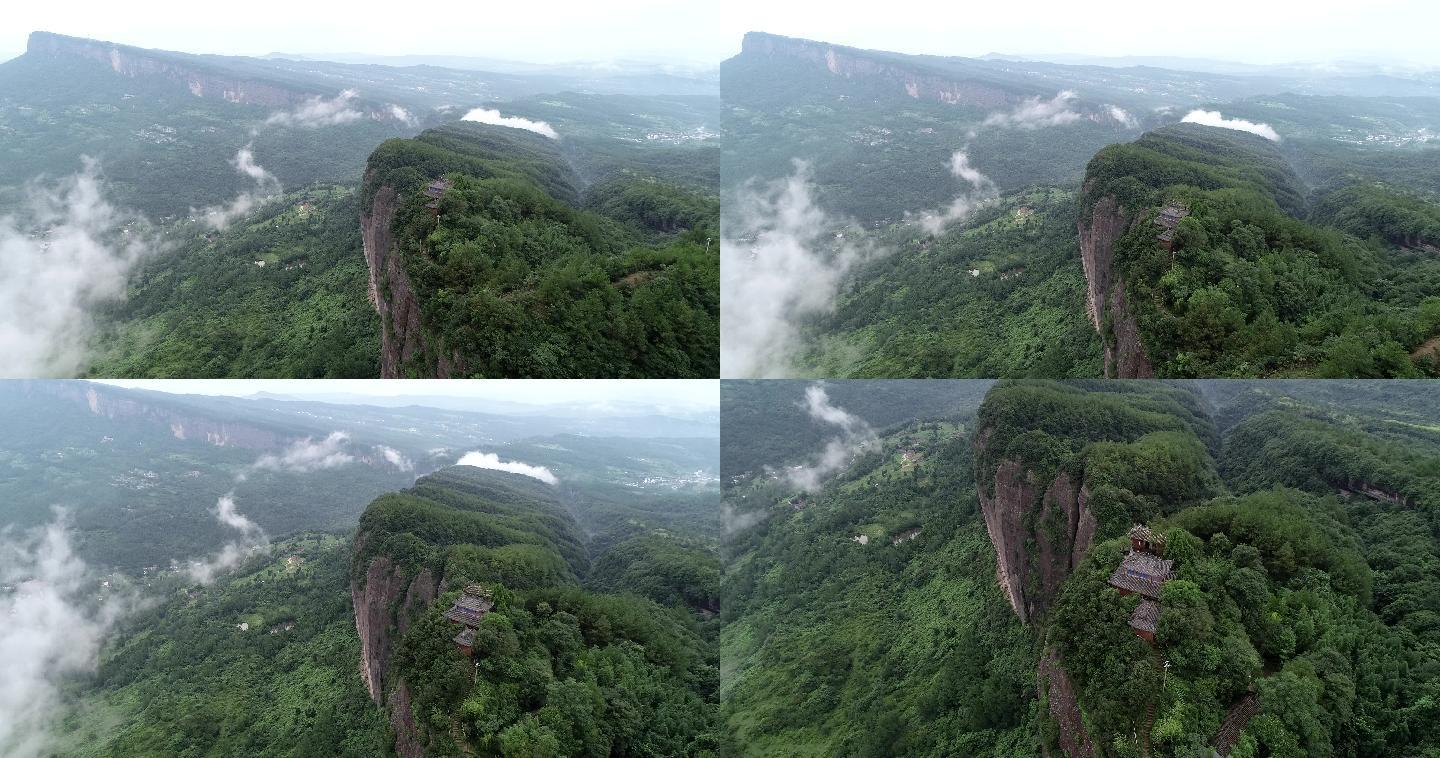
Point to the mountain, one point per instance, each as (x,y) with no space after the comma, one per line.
(499,252)
(222,207)
(1204,256)
(940,195)
(600,561)
(951,588)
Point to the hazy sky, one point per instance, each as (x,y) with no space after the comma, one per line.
(1250,31)
(555,31)
(1254,31)
(693,394)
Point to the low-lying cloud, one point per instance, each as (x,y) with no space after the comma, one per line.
(492,461)
(65,253)
(251,538)
(855,437)
(1122,116)
(1035,113)
(53,618)
(395,458)
(495,118)
(978,191)
(267,187)
(782,261)
(306,455)
(317,112)
(1214,118)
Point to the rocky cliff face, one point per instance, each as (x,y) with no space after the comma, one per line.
(402,337)
(201,78)
(1125,356)
(137,63)
(1040,530)
(1055,684)
(385,602)
(854,64)
(103,401)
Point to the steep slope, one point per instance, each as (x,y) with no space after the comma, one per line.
(1202,258)
(555,667)
(1056,468)
(482,264)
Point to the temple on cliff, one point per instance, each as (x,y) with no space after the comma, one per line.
(1168,219)
(434,191)
(468,610)
(1143,572)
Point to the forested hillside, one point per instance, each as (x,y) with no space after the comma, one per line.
(967,217)
(557,670)
(492,256)
(1299,617)
(1250,280)
(281,293)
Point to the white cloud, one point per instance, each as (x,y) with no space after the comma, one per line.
(267,187)
(400,114)
(1034,113)
(52,623)
(493,117)
(1213,118)
(306,455)
(68,252)
(855,438)
(317,112)
(492,461)
(395,458)
(781,261)
(251,538)
(1123,116)
(980,191)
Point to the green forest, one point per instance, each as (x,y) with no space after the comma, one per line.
(592,648)
(1258,281)
(1301,617)
(524,270)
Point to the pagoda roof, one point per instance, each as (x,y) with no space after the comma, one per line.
(466,637)
(1146,616)
(1142,573)
(472,606)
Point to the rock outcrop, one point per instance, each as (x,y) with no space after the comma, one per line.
(385,602)
(1125,356)
(402,335)
(1059,691)
(1040,530)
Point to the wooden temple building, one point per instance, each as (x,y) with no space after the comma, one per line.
(1143,572)
(472,606)
(435,190)
(1167,220)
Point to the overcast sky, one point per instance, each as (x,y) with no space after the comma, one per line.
(690,394)
(1252,31)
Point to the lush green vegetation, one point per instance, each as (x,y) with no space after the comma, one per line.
(832,647)
(1252,289)
(558,670)
(514,280)
(185,678)
(1001,295)
(280,293)
(1302,619)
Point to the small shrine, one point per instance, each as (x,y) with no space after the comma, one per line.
(1143,571)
